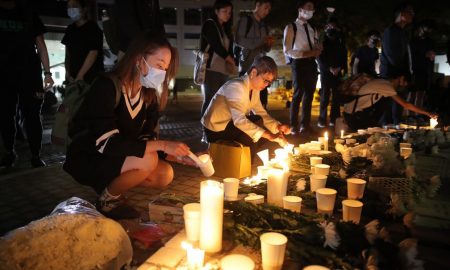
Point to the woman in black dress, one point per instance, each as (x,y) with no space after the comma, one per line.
(114,147)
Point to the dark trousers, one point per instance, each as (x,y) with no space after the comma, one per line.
(393,112)
(330,84)
(30,112)
(213,81)
(304,76)
(232,133)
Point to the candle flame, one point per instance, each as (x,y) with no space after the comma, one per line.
(185,245)
(433,123)
(326,135)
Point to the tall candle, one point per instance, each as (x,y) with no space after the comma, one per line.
(325,141)
(277,181)
(211,215)
(342,133)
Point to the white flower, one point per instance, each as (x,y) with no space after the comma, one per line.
(372,230)
(346,156)
(332,239)
(301,184)
(408,254)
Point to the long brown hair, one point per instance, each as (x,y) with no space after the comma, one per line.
(128,73)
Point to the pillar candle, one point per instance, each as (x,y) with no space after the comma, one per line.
(342,133)
(277,181)
(211,216)
(325,142)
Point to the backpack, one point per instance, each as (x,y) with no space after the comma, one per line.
(75,94)
(349,88)
(237,50)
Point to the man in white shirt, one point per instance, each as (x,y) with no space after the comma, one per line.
(234,109)
(300,45)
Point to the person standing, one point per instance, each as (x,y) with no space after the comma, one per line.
(23,48)
(216,34)
(395,55)
(84,44)
(332,63)
(367,56)
(253,39)
(300,45)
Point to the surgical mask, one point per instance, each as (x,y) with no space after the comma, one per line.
(306,14)
(74,14)
(154,78)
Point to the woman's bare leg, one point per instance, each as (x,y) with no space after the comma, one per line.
(161,177)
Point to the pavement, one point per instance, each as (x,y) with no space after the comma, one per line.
(28,194)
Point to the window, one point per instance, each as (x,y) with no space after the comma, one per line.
(191,41)
(169,16)
(192,16)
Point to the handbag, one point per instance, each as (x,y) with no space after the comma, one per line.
(200,65)
(230,159)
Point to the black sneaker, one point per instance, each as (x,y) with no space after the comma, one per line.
(117,209)
(8,159)
(37,162)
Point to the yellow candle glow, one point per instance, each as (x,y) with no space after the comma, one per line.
(325,142)
(211,215)
(194,256)
(433,123)
(342,133)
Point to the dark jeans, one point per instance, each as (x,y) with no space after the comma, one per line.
(232,133)
(369,117)
(393,112)
(213,82)
(30,113)
(330,84)
(304,76)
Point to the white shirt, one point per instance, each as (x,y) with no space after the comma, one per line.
(301,43)
(232,103)
(370,93)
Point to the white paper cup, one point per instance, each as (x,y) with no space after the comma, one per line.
(206,165)
(315,267)
(192,221)
(403,144)
(273,247)
(339,141)
(350,141)
(255,199)
(325,198)
(293,203)
(315,160)
(323,169)
(362,131)
(317,181)
(355,188)
(263,171)
(405,151)
(322,140)
(230,187)
(351,210)
(236,262)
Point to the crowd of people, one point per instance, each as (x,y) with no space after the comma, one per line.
(115,145)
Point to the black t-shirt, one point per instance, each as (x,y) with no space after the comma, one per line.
(79,41)
(419,48)
(367,57)
(19,28)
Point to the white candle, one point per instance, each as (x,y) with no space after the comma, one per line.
(211,215)
(237,262)
(325,141)
(433,123)
(195,256)
(277,181)
(342,133)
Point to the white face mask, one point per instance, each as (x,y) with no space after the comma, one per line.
(154,78)
(306,14)
(74,14)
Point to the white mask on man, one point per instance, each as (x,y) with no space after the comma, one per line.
(306,14)
(74,14)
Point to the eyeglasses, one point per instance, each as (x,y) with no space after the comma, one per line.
(267,82)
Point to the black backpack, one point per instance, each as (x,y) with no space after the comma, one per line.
(237,49)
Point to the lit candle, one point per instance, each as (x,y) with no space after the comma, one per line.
(211,215)
(342,133)
(237,262)
(195,256)
(277,181)
(433,123)
(325,141)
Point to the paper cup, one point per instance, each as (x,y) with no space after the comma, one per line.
(323,169)
(325,198)
(293,203)
(315,267)
(317,181)
(230,187)
(277,182)
(339,141)
(206,165)
(351,210)
(255,199)
(355,188)
(263,171)
(405,152)
(192,221)
(350,141)
(273,247)
(405,145)
(362,131)
(315,160)
(236,262)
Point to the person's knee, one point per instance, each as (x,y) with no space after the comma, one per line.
(163,175)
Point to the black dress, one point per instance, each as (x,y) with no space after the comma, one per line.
(105,133)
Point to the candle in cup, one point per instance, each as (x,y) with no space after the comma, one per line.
(236,262)
(433,123)
(342,133)
(195,256)
(211,215)
(277,181)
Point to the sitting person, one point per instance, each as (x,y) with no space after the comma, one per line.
(234,109)
(371,99)
(113,145)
